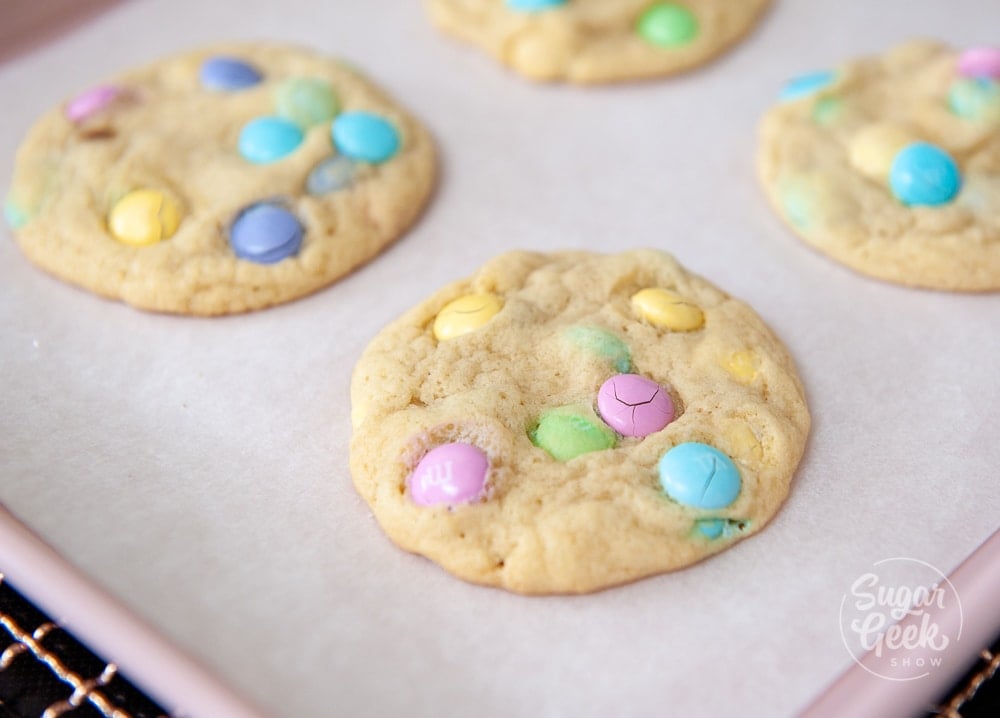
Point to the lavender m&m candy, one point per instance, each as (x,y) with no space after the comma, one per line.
(365,136)
(90,102)
(227,74)
(633,405)
(449,474)
(980,62)
(265,233)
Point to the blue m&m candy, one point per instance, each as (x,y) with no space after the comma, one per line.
(699,475)
(805,85)
(267,139)
(365,136)
(226,74)
(534,5)
(265,233)
(923,174)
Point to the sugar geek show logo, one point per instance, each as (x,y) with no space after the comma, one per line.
(898,619)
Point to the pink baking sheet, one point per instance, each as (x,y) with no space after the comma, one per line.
(196,469)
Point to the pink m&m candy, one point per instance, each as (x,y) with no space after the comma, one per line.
(980,62)
(449,474)
(93,100)
(633,405)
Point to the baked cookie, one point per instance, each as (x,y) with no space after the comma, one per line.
(589,41)
(562,423)
(891,165)
(219,181)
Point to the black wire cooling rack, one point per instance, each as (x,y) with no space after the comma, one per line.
(46,673)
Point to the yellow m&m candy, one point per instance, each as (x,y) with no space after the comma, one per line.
(465,314)
(144,217)
(742,365)
(663,308)
(874,148)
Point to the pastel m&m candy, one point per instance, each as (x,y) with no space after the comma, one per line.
(365,136)
(90,102)
(534,5)
(228,74)
(265,233)
(14,214)
(268,139)
(805,85)
(720,528)
(874,148)
(450,474)
(565,434)
(667,24)
(699,475)
(465,314)
(602,343)
(980,62)
(144,217)
(666,309)
(633,405)
(330,175)
(306,101)
(975,99)
(924,175)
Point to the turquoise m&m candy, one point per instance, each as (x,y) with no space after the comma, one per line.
(699,475)
(365,136)
(267,139)
(805,85)
(923,174)
(534,5)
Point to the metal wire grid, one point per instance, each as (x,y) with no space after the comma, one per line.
(46,673)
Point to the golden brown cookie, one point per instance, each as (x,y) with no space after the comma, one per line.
(589,41)
(219,181)
(566,422)
(891,165)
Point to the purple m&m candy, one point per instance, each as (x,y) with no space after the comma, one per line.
(227,74)
(449,474)
(91,102)
(633,405)
(980,62)
(265,233)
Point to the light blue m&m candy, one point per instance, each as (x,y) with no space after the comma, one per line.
(227,74)
(924,174)
(365,136)
(268,139)
(534,5)
(699,475)
(330,175)
(805,85)
(265,233)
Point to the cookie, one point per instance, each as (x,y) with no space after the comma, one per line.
(566,422)
(891,165)
(591,41)
(219,181)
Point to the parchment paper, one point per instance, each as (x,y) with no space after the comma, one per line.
(198,468)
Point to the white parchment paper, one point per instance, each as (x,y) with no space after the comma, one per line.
(198,468)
